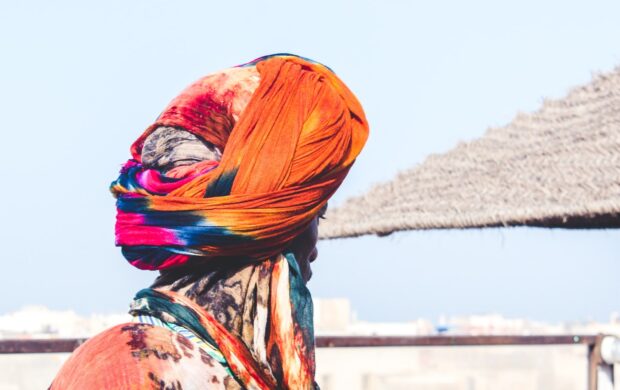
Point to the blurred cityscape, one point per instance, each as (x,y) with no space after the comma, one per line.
(333,317)
(431,368)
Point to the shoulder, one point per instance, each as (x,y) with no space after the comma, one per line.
(143,356)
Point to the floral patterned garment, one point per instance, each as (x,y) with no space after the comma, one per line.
(257,334)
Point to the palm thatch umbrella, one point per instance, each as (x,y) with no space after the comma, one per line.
(557,167)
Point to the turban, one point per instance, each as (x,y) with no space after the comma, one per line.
(288,130)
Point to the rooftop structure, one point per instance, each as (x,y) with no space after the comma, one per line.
(557,167)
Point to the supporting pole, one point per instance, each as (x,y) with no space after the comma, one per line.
(594,360)
(601,360)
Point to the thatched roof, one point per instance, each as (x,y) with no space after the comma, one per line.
(557,167)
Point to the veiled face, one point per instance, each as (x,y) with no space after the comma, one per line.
(304,246)
(304,249)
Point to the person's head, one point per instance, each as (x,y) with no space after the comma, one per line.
(304,246)
(286,131)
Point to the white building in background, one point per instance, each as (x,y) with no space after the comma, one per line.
(333,317)
(385,368)
(42,322)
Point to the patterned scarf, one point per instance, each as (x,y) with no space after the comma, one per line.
(267,342)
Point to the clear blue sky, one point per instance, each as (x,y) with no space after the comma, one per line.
(81,80)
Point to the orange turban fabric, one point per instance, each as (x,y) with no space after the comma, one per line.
(289,130)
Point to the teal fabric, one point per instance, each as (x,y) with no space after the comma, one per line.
(301,300)
(151,302)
